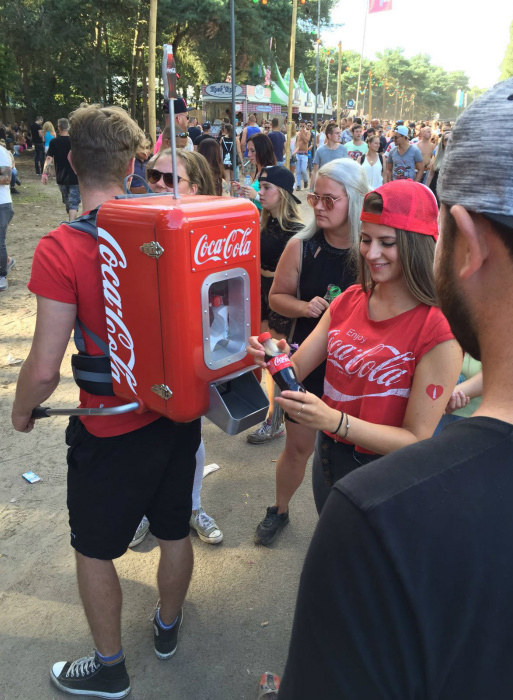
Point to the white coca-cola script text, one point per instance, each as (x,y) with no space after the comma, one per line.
(121,344)
(236,245)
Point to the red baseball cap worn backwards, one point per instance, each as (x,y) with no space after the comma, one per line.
(407,205)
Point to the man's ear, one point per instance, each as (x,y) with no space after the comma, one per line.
(70,161)
(471,249)
(130,166)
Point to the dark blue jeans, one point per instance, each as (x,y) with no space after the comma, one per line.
(6,214)
(39,158)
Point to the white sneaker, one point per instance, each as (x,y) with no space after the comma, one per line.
(265,433)
(3,284)
(206,527)
(141,532)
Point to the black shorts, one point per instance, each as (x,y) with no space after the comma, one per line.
(114,481)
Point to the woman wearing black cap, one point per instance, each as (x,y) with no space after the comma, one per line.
(281,219)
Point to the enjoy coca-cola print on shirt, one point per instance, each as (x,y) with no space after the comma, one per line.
(370,364)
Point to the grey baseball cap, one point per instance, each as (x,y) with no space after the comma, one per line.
(474,173)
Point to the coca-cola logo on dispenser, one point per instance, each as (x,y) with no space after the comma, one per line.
(217,247)
(121,344)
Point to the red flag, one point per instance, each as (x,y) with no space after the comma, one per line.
(169,73)
(379,5)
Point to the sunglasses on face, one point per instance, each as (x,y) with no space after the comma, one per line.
(153,176)
(327,201)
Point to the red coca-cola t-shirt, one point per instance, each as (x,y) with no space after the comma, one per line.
(66,268)
(370,364)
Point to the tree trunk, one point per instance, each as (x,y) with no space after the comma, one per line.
(110,86)
(133,78)
(152,40)
(98,79)
(146,113)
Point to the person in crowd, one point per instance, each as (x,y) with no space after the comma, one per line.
(404,161)
(210,149)
(36,131)
(316,259)
(332,150)
(320,139)
(48,134)
(194,128)
(205,134)
(6,214)
(416,539)
(181,123)
(301,154)
(436,163)
(281,219)
(347,135)
(194,178)
(292,147)
(230,149)
(106,495)
(67,182)
(278,141)
(356,147)
(374,163)
(142,157)
(250,130)
(261,155)
(426,147)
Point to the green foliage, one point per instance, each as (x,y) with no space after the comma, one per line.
(57,53)
(507,63)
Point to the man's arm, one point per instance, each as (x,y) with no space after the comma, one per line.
(5,174)
(420,171)
(39,374)
(243,138)
(314,175)
(389,169)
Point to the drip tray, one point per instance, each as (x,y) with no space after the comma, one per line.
(237,402)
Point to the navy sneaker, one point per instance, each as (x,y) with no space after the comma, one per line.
(268,529)
(166,641)
(88,676)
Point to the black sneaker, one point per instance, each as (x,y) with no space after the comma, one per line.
(166,641)
(88,676)
(270,526)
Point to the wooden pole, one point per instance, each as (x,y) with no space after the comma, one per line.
(361,59)
(339,79)
(152,44)
(291,79)
(370,95)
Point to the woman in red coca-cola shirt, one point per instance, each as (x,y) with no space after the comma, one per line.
(392,361)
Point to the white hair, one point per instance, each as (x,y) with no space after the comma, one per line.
(352,177)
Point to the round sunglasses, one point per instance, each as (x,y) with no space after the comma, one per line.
(327,201)
(153,176)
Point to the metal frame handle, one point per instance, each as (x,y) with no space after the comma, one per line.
(47,412)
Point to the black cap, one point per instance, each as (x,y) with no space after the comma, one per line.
(206,125)
(180,106)
(280,176)
(399,121)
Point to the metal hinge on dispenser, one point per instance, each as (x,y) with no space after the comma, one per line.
(153,249)
(162,390)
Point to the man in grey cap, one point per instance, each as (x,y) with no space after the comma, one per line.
(407,586)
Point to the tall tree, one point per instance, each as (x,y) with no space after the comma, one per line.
(507,63)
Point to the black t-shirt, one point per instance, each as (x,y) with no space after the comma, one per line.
(59,148)
(407,588)
(194,132)
(201,138)
(34,130)
(278,141)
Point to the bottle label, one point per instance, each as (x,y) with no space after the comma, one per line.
(277,363)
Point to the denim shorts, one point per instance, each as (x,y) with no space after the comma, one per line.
(70,196)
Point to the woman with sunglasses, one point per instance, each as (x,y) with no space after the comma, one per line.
(261,155)
(194,177)
(316,259)
(281,219)
(193,172)
(392,361)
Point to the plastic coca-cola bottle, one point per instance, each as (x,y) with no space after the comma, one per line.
(279,365)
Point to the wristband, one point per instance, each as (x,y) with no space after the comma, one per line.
(335,432)
(347,428)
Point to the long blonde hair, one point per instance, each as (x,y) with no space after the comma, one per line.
(289,217)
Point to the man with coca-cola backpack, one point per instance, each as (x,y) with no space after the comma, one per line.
(107,492)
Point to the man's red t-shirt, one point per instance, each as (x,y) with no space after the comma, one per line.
(66,268)
(370,364)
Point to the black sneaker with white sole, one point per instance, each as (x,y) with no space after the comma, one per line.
(268,529)
(88,676)
(166,641)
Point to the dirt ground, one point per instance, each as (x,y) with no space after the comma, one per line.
(238,612)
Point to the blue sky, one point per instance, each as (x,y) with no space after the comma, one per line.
(457,34)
